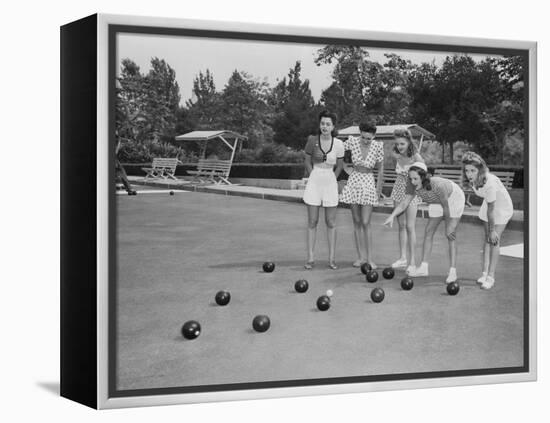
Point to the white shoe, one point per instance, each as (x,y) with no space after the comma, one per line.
(410,269)
(452,275)
(421,270)
(489,282)
(373,266)
(482,278)
(399,264)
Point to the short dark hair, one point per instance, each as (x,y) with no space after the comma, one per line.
(327,114)
(424,177)
(332,117)
(369,127)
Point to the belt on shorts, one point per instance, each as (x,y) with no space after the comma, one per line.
(363,169)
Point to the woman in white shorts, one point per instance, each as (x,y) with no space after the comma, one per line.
(495,212)
(446,202)
(324,161)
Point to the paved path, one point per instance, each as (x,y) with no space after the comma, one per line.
(295,195)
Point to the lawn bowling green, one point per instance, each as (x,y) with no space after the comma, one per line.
(174,253)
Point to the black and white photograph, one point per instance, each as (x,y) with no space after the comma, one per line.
(275,211)
(297,211)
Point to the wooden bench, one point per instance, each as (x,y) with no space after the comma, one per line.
(506,177)
(212,170)
(390,175)
(162,168)
(455,175)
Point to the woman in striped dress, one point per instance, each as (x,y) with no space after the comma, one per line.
(446,202)
(361,191)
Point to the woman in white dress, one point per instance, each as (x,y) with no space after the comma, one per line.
(495,212)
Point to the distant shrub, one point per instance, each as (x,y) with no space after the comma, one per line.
(139,152)
(134,152)
(294,156)
(270,153)
(246,155)
(267,154)
(432,152)
(513,149)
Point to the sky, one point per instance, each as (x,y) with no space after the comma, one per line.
(270,61)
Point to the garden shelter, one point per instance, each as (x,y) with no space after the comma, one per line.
(229,138)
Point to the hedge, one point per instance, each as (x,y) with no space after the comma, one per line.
(238,170)
(293,170)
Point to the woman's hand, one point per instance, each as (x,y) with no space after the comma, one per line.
(493,238)
(389,221)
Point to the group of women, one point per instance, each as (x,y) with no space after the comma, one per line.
(324,161)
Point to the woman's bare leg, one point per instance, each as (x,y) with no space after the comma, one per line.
(431,227)
(410,216)
(312,221)
(452,226)
(486,252)
(330,220)
(402,230)
(358,232)
(366,212)
(495,251)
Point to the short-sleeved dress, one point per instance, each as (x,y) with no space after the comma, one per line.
(494,191)
(400,185)
(361,187)
(322,187)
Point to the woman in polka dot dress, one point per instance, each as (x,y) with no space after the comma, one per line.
(405,154)
(361,191)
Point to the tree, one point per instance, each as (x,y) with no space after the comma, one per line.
(451,99)
(293,106)
(353,83)
(479,103)
(421,88)
(504,121)
(130,96)
(163,100)
(394,98)
(365,89)
(245,109)
(146,104)
(205,107)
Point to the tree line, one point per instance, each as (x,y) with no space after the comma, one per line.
(476,103)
